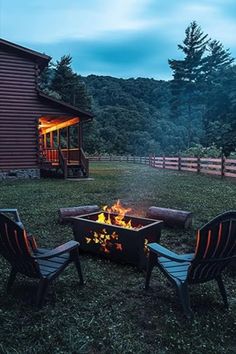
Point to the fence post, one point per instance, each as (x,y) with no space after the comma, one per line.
(222,165)
(198,164)
(164,162)
(179,163)
(153,160)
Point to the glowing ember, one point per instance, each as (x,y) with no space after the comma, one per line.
(118,219)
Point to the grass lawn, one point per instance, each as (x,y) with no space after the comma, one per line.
(112,313)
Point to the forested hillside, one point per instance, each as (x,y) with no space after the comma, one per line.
(141,116)
(131,116)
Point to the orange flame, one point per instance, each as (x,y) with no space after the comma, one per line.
(117,208)
(106,241)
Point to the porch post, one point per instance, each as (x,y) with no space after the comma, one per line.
(79,141)
(58,138)
(51,140)
(45,141)
(68,143)
(81,135)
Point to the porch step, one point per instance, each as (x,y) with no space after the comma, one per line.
(75,171)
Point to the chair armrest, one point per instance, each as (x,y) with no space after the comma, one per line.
(162,251)
(66,247)
(15,214)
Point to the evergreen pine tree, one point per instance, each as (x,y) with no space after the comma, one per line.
(217,83)
(69,85)
(186,73)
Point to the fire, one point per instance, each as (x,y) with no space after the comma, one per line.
(108,240)
(105,240)
(118,209)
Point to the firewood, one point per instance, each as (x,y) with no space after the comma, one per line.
(66,213)
(171,217)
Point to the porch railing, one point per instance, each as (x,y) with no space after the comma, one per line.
(65,157)
(52,155)
(63,162)
(84,162)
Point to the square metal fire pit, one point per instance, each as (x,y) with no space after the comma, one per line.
(125,245)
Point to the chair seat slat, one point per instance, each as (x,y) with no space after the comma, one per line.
(60,258)
(51,264)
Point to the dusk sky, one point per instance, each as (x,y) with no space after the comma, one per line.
(122,38)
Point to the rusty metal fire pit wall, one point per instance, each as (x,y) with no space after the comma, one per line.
(125,245)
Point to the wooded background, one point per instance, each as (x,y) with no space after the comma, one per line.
(192,114)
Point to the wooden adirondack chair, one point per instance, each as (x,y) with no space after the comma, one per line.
(25,257)
(215,249)
(13,214)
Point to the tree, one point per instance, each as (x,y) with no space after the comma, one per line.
(68,84)
(218,59)
(186,73)
(218,82)
(202,89)
(220,117)
(194,46)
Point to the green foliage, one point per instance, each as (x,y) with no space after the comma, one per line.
(112,314)
(193,47)
(59,78)
(198,150)
(202,90)
(142,116)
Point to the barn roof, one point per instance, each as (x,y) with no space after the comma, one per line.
(40,58)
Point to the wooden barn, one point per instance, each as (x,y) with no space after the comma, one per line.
(39,135)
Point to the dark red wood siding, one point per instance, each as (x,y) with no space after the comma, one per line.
(20,109)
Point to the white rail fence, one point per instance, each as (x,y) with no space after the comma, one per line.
(214,166)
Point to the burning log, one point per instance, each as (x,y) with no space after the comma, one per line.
(66,213)
(171,217)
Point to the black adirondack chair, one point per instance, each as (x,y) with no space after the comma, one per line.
(215,249)
(21,251)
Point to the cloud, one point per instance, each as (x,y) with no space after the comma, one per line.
(56,20)
(122,57)
(122,38)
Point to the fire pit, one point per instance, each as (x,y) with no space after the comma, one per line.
(116,235)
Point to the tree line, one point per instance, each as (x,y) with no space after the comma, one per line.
(195,111)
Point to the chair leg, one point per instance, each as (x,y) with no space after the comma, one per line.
(182,289)
(78,267)
(150,265)
(75,258)
(42,291)
(11,279)
(222,291)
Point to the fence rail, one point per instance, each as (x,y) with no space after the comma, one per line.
(214,166)
(121,158)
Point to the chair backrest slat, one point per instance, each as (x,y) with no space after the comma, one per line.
(215,247)
(15,248)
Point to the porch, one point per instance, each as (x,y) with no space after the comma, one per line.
(60,147)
